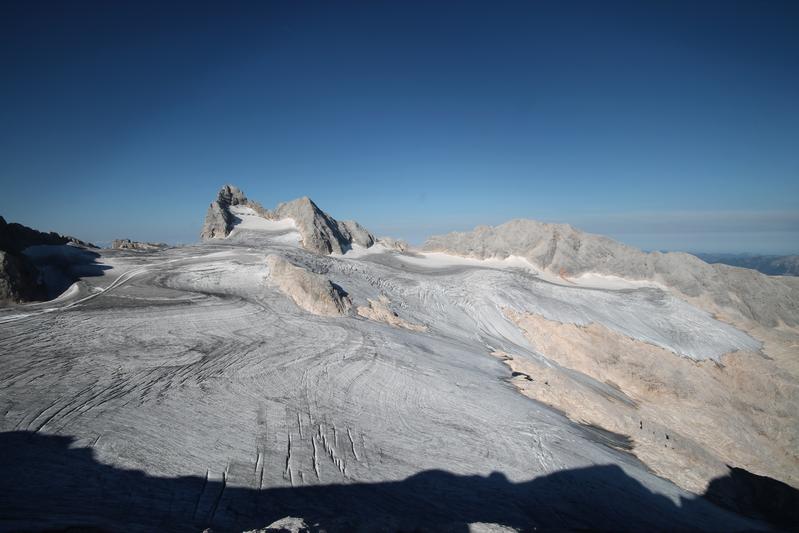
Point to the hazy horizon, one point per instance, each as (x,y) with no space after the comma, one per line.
(666,127)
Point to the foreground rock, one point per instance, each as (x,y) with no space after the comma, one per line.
(19,279)
(320,232)
(309,290)
(564,251)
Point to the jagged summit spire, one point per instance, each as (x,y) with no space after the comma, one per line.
(231,195)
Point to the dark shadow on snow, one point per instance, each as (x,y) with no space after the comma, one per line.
(59,266)
(47,483)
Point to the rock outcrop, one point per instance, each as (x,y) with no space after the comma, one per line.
(14,238)
(218,219)
(747,412)
(127,244)
(380,310)
(20,279)
(320,232)
(562,250)
(309,290)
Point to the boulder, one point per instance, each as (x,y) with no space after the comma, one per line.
(309,290)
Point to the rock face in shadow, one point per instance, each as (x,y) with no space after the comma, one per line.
(758,497)
(19,279)
(309,290)
(320,232)
(49,482)
(565,251)
(14,238)
(21,275)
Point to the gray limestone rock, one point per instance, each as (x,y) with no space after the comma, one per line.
(356,233)
(320,232)
(309,290)
(218,220)
(19,279)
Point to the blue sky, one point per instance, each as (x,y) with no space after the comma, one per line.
(667,125)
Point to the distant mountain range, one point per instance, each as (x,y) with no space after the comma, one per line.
(773,265)
(564,251)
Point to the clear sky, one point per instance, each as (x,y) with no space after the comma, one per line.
(667,125)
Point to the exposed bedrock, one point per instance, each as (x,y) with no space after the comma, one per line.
(309,290)
(19,279)
(320,232)
(688,419)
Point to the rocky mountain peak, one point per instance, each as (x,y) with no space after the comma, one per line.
(320,232)
(231,195)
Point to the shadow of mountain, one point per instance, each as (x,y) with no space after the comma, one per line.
(47,483)
(756,496)
(60,266)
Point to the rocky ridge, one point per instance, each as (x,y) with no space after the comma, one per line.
(320,232)
(567,252)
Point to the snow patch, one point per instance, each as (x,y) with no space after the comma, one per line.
(250,220)
(444,260)
(593,280)
(357,251)
(281,231)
